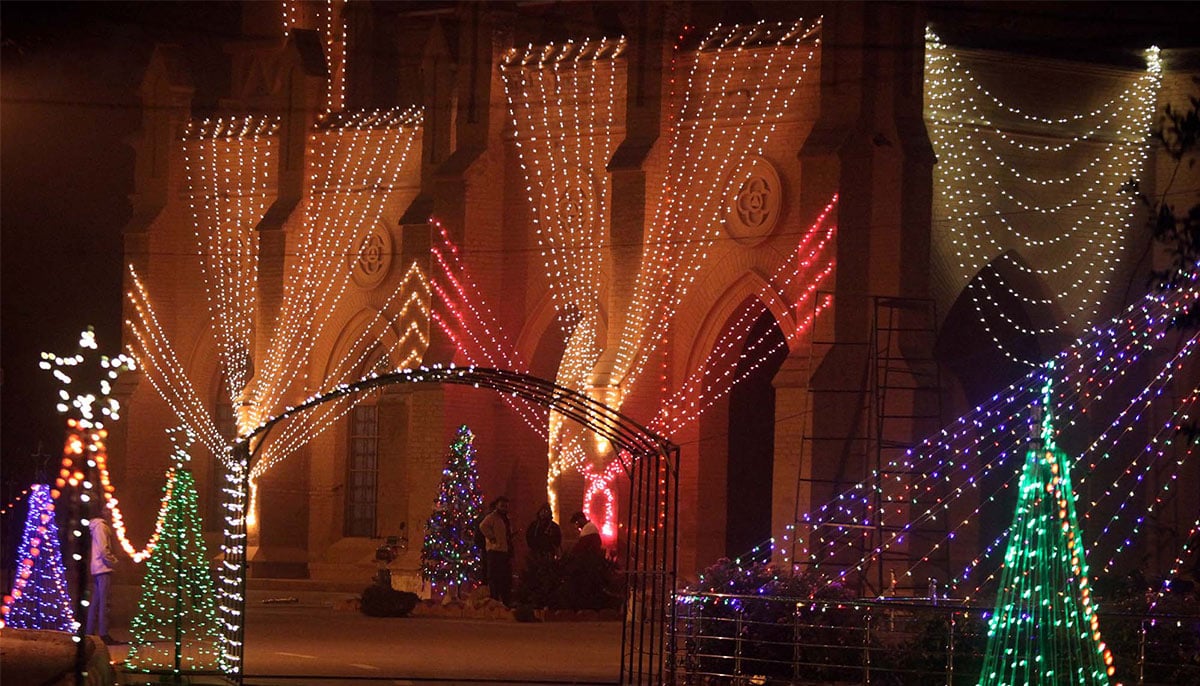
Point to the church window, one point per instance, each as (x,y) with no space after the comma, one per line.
(362,471)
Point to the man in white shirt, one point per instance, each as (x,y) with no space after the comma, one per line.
(497,531)
(103,562)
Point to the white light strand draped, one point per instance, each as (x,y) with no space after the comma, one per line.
(358,158)
(1055,212)
(713,134)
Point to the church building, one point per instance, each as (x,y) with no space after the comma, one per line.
(797,240)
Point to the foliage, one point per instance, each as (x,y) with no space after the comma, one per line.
(1175,228)
(581,582)
(450,555)
(764,622)
(1171,644)
(540,582)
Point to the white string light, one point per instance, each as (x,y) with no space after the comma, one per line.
(1060,205)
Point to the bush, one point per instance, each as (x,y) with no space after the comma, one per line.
(586,581)
(766,634)
(1171,645)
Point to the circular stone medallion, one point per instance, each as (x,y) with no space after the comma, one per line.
(755,197)
(374,257)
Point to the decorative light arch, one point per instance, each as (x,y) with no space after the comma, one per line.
(650,461)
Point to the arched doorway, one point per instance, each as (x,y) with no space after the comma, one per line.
(649,551)
(1004,319)
(751,453)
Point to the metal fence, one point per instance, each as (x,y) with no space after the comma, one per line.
(749,639)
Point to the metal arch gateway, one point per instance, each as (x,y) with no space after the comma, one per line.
(650,515)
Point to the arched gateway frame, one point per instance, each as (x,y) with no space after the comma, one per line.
(650,519)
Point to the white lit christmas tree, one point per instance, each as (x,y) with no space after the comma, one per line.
(86,379)
(449,555)
(39,597)
(1045,631)
(176,627)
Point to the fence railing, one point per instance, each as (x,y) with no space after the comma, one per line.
(748,639)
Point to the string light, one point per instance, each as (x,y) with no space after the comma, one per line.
(15,501)
(449,556)
(231,600)
(561,100)
(1045,629)
(769,60)
(988,437)
(39,598)
(176,627)
(330,21)
(230,171)
(354,151)
(1001,194)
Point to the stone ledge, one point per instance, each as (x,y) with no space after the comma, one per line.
(31,656)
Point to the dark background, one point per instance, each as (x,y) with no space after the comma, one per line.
(69,108)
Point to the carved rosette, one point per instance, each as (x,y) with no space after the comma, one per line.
(755,199)
(576,199)
(374,258)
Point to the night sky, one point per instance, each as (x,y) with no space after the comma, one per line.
(69,107)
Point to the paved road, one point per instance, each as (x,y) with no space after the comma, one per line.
(315,644)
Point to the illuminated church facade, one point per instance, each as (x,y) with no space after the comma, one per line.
(794,244)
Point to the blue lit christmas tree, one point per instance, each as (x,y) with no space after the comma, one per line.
(39,597)
(449,555)
(176,627)
(1045,631)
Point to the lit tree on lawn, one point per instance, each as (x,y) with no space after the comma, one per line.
(449,556)
(176,626)
(39,597)
(1045,631)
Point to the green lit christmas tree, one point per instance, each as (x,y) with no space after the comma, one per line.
(449,555)
(1045,631)
(176,627)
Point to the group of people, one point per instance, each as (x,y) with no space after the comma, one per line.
(543,537)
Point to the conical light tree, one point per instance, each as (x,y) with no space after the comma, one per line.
(449,555)
(39,597)
(176,627)
(1045,631)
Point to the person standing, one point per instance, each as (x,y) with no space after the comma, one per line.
(103,561)
(586,573)
(589,536)
(497,532)
(543,535)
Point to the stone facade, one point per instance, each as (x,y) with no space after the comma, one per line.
(855,126)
